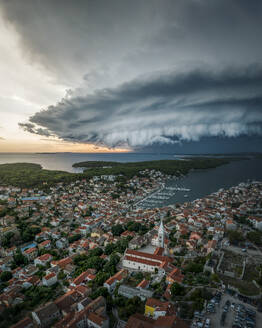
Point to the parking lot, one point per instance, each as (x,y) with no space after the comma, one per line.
(215,318)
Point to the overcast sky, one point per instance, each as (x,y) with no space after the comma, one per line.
(178,75)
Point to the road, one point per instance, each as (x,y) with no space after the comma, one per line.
(238,250)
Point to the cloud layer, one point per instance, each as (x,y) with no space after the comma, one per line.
(165,107)
(141,73)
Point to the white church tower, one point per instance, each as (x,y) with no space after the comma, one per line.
(161,235)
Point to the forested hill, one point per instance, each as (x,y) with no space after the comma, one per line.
(171,167)
(32,175)
(26,175)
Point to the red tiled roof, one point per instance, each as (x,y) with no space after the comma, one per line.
(44,243)
(30,250)
(139,260)
(143,283)
(33,280)
(152,257)
(166,321)
(82,277)
(159,251)
(97,319)
(49,276)
(63,263)
(110,281)
(211,243)
(44,257)
(137,320)
(118,276)
(176,275)
(157,304)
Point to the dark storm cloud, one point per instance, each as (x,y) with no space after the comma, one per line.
(29,127)
(145,72)
(162,108)
(113,41)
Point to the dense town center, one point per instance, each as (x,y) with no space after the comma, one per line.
(91,254)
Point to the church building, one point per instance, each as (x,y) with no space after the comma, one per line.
(146,262)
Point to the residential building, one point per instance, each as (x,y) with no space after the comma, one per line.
(111,283)
(43,259)
(45,316)
(175,276)
(230,225)
(131,292)
(155,308)
(30,253)
(49,279)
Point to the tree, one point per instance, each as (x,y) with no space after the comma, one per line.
(215,277)
(20,259)
(109,248)
(95,262)
(114,259)
(101,277)
(139,276)
(73,238)
(127,307)
(117,229)
(121,245)
(5,275)
(177,289)
(194,267)
(96,252)
(102,291)
(255,237)
(133,226)
(137,227)
(6,240)
(80,259)
(89,211)
(61,275)
(235,237)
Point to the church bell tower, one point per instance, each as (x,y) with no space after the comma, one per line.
(161,235)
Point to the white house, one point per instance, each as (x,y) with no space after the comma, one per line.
(111,283)
(230,225)
(256,222)
(43,259)
(49,279)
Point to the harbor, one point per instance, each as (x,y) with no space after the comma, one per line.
(161,196)
(200,183)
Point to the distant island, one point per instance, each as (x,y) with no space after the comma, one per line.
(170,167)
(45,153)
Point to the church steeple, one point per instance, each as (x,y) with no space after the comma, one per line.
(161,234)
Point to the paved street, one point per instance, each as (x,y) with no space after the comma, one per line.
(215,318)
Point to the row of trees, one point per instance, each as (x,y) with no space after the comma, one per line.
(118,229)
(94,261)
(119,247)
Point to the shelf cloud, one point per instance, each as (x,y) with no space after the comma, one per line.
(165,107)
